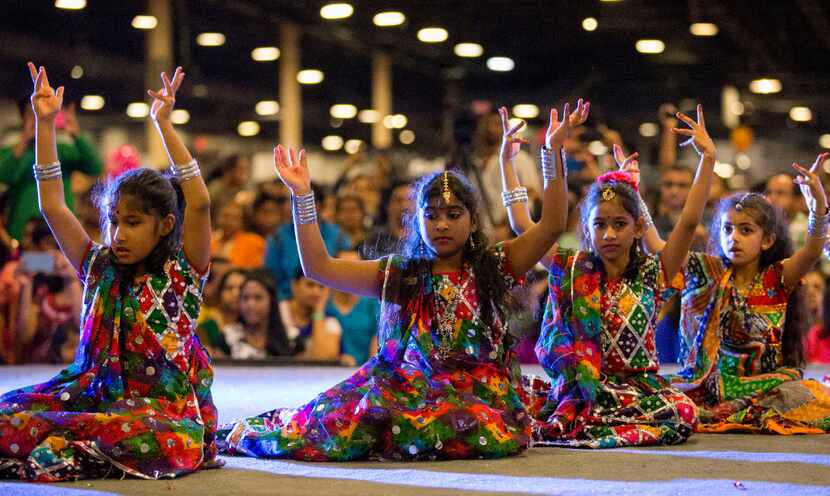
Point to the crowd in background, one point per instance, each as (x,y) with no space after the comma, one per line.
(257,302)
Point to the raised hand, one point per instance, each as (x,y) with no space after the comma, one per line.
(628,164)
(165,98)
(46,102)
(559,130)
(510,143)
(810,185)
(698,137)
(292,169)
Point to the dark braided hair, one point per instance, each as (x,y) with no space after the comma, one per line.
(771,220)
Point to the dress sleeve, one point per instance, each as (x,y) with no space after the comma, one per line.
(94,261)
(500,250)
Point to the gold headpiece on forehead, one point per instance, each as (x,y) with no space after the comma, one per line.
(445,191)
(608,194)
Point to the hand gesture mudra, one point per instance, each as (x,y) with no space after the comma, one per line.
(810,184)
(510,143)
(697,135)
(292,168)
(46,102)
(165,98)
(559,130)
(630,165)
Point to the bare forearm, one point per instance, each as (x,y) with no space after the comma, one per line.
(173,144)
(50,193)
(696,201)
(517,213)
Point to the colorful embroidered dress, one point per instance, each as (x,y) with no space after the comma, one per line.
(137,397)
(597,346)
(732,354)
(422,396)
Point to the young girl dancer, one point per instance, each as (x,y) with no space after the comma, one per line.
(443,384)
(741,332)
(137,398)
(597,339)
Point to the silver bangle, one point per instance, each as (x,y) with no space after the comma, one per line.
(817,225)
(518,195)
(305,210)
(47,171)
(648,222)
(549,170)
(187,171)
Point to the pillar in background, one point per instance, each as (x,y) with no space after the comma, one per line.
(291,99)
(381,98)
(158,49)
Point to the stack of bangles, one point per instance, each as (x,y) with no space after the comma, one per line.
(645,215)
(47,171)
(549,170)
(817,224)
(305,211)
(518,195)
(186,172)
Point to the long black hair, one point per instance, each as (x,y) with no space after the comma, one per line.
(771,220)
(277,342)
(150,192)
(492,290)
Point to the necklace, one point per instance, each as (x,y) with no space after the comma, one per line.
(447,296)
(612,307)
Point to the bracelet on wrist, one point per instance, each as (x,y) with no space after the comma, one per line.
(46,172)
(186,171)
(518,195)
(304,208)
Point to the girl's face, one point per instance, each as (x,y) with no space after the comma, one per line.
(229,293)
(254,303)
(814,284)
(741,238)
(612,230)
(307,292)
(133,234)
(445,227)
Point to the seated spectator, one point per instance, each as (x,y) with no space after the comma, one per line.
(228,181)
(817,341)
(313,336)
(269,211)
(383,238)
(258,331)
(781,191)
(244,249)
(350,215)
(214,319)
(358,318)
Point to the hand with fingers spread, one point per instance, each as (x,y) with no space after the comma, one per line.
(165,98)
(46,102)
(630,165)
(559,130)
(697,135)
(510,143)
(811,187)
(292,168)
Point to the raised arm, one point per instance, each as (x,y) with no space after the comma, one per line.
(532,244)
(652,242)
(680,240)
(66,228)
(197,229)
(806,257)
(356,276)
(517,211)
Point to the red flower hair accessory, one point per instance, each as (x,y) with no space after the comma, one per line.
(618,176)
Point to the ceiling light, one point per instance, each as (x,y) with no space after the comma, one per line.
(310,76)
(743,161)
(265,53)
(407,137)
(765,86)
(500,64)
(92,102)
(737,108)
(138,110)
(649,129)
(353,146)
(70,4)
(526,111)
(145,22)
(597,148)
(724,170)
(248,128)
(200,90)
(650,46)
(77,72)
(703,29)
(343,111)
(801,114)
(589,24)
(824,142)
(469,50)
(334,11)
(180,116)
(396,121)
(433,35)
(332,143)
(267,107)
(368,116)
(387,19)
(210,39)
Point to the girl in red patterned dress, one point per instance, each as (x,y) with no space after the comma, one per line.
(137,398)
